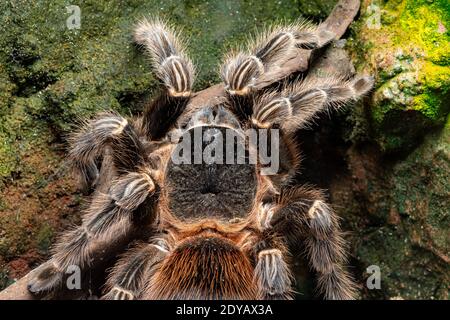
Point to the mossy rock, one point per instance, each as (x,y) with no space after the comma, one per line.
(412,245)
(406,45)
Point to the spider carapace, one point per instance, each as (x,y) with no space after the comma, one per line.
(203,208)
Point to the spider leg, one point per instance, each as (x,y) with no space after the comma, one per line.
(129,275)
(272,275)
(241,70)
(175,70)
(296,107)
(298,104)
(89,143)
(300,211)
(110,219)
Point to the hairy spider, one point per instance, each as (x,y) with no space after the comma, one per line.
(207,229)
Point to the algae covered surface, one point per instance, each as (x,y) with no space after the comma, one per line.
(390,187)
(405,44)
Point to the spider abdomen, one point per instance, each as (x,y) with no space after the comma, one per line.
(204,267)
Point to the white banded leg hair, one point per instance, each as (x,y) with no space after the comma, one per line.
(272,48)
(299,104)
(303,217)
(272,275)
(107,220)
(326,249)
(166,50)
(130,274)
(174,69)
(88,145)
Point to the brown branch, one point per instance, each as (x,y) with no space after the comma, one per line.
(337,22)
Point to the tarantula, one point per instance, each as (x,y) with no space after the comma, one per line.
(208,229)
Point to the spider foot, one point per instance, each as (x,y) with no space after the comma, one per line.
(118,293)
(273,110)
(240,73)
(272,275)
(44,279)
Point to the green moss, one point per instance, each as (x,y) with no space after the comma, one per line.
(8,164)
(14,236)
(409,54)
(421,21)
(44,238)
(433,102)
(447,123)
(5,280)
(317,9)
(422,29)
(411,243)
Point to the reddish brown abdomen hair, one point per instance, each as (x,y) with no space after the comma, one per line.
(204,268)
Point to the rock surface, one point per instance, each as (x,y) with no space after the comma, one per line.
(405,45)
(400,158)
